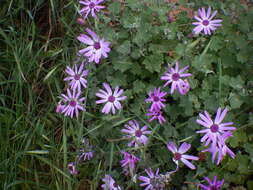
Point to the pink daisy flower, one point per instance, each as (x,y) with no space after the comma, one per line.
(153,181)
(76,77)
(205,22)
(157,99)
(109,183)
(91,6)
(221,148)
(111,99)
(214,129)
(180,156)
(97,48)
(136,134)
(184,87)
(173,76)
(73,103)
(60,106)
(156,115)
(129,162)
(212,185)
(72,168)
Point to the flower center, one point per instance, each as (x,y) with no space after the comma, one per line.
(92,5)
(77,77)
(175,76)
(213,187)
(111,99)
(177,156)
(72,103)
(97,45)
(138,133)
(156,99)
(214,128)
(205,22)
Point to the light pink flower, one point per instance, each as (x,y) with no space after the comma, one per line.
(173,76)
(214,129)
(136,134)
(73,103)
(76,77)
(110,98)
(109,183)
(184,87)
(72,168)
(179,154)
(97,48)
(91,6)
(205,22)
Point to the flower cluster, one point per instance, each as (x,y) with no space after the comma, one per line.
(96,48)
(156,98)
(216,133)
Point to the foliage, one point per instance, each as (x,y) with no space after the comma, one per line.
(38,40)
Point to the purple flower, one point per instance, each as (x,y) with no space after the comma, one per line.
(76,77)
(135,133)
(109,183)
(173,75)
(214,129)
(73,103)
(157,99)
(179,154)
(153,181)
(206,23)
(156,114)
(184,87)
(91,6)
(212,185)
(72,168)
(86,153)
(97,48)
(221,148)
(59,107)
(112,99)
(129,161)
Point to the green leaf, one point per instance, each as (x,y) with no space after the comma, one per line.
(124,48)
(114,8)
(153,62)
(235,101)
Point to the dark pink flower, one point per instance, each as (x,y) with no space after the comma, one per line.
(156,114)
(156,98)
